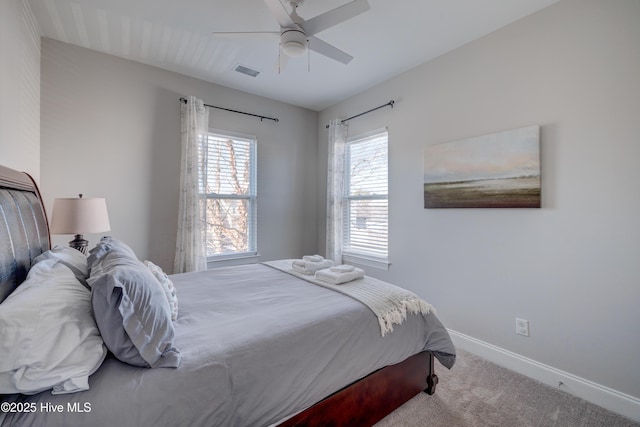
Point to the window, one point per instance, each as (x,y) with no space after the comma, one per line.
(228,190)
(365,201)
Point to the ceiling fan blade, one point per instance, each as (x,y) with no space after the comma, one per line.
(334,16)
(246,34)
(280,13)
(324,48)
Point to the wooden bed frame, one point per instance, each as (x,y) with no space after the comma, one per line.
(24,234)
(367,401)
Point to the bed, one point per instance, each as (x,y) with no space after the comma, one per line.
(251,345)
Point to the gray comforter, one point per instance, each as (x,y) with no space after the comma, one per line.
(258,345)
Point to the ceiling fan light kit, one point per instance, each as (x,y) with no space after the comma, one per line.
(297,36)
(293,42)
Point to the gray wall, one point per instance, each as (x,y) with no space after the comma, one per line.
(111,128)
(19,88)
(571,268)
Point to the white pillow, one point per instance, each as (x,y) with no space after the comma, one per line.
(167,287)
(49,337)
(72,258)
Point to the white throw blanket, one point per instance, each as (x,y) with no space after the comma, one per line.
(388,302)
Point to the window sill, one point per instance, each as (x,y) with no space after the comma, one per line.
(366,261)
(235,259)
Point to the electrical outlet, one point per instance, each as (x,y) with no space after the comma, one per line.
(522,327)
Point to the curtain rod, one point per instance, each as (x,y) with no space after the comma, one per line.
(388,104)
(184,100)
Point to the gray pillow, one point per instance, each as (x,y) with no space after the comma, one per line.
(107,244)
(130,308)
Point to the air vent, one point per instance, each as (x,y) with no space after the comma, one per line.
(246,70)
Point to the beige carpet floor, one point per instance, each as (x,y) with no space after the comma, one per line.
(478,393)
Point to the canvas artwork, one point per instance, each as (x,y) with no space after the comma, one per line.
(500,170)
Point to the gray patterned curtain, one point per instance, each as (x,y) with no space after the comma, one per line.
(190,246)
(335,189)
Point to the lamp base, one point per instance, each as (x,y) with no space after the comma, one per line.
(79,243)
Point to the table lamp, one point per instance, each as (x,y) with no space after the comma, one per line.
(79,216)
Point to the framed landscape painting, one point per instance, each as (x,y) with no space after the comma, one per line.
(501,170)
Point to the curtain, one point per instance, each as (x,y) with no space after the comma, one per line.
(335,189)
(190,242)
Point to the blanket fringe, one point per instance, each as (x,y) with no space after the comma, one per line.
(397,316)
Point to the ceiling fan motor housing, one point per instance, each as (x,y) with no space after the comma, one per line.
(294,41)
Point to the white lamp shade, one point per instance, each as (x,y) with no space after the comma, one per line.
(79,216)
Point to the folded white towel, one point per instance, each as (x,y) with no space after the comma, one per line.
(313,258)
(337,278)
(309,267)
(342,268)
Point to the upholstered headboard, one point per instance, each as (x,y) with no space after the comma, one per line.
(24,229)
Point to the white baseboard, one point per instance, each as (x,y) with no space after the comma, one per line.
(597,394)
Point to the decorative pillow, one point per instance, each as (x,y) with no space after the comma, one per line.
(72,258)
(49,338)
(130,308)
(167,287)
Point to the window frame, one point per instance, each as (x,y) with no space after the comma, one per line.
(251,255)
(356,256)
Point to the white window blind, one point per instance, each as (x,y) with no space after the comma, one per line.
(366,196)
(228,189)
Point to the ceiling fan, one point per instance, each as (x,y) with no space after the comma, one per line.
(297,35)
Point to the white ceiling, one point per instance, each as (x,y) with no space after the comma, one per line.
(390,38)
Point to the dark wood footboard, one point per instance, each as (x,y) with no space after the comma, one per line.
(370,399)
